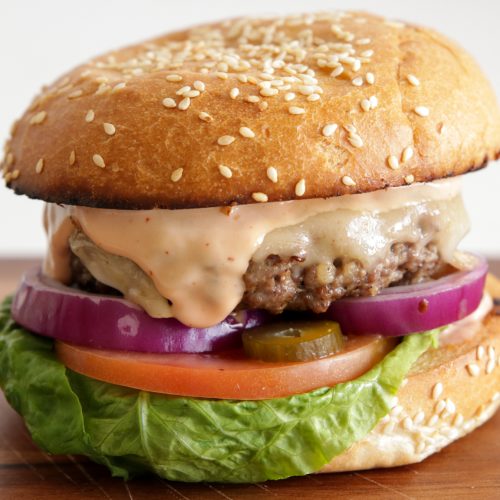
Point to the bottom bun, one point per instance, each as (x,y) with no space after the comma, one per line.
(448,393)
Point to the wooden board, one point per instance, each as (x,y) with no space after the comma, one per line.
(469,468)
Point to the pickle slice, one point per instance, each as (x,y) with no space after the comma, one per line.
(293,340)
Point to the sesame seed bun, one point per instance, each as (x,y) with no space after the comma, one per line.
(450,392)
(253,110)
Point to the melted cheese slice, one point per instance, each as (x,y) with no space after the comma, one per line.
(196,258)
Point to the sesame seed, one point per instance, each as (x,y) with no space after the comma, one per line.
(168,102)
(437,390)
(410,179)
(422,111)
(490,366)
(289,96)
(491,352)
(75,94)
(184,104)
(373,101)
(98,160)
(15,174)
(89,117)
(458,420)
(263,105)
(252,98)
(202,115)
(247,132)
(225,140)
(221,75)
(356,65)
(225,171)
(440,406)
(480,352)
(109,128)
(191,93)
(407,423)
(348,181)
(358,81)
(174,78)
(365,104)
(473,369)
(72,157)
(313,97)
(183,90)
(433,420)
(355,140)
(407,154)
(370,78)
(300,188)
(234,93)
(39,166)
(199,86)
(118,86)
(260,197)
(450,406)
(272,174)
(395,24)
(367,53)
(102,89)
(413,80)
(306,89)
(268,92)
(363,41)
(309,80)
(38,118)
(329,129)
(419,418)
(337,71)
(295,110)
(393,162)
(9,159)
(351,129)
(176,175)
(243,78)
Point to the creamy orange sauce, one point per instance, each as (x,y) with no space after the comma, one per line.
(197,257)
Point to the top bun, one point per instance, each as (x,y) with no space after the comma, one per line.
(250,110)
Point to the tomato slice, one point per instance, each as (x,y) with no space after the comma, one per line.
(226,375)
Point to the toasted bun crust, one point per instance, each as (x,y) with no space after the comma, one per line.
(449,393)
(150,155)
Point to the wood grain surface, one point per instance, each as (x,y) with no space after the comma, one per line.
(469,468)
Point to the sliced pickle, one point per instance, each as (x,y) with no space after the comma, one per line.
(293,340)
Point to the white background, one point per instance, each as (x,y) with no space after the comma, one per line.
(41,39)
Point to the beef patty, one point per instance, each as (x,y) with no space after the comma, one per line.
(284,283)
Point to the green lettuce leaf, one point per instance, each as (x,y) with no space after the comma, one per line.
(189,439)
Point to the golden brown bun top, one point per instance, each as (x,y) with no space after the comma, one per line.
(257,109)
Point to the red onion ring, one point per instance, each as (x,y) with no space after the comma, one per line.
(402,310)
(48,308)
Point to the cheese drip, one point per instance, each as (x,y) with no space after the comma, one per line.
(196,258)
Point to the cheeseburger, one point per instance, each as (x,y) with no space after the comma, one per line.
(252,268)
